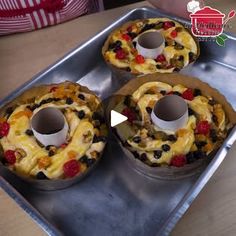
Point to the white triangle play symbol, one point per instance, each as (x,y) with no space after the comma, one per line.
(117,118)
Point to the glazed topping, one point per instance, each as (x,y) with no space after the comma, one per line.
(180,47)
(204,131)
(86,135)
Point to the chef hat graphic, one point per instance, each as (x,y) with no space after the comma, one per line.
(193,6)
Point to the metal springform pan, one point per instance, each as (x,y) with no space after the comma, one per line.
(114,199)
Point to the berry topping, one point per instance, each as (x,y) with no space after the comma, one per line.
(129,29)
(120,54)
(40,175)
(139,59)
(203,127)
(157,154)
(10,157)
(63,145)
(143,157)
(190,112)
(149,110)
(90,162)
(69,101)
(81,114)
(178,161)
(190,158)
(174,34)
(130,114)
(81,96)
(197,92)
(4,129)
(172,138)
(168,24)
(188,94)
(71,168)
(165,147)
(160,58)
(29,132)
(117,44)
(126,37)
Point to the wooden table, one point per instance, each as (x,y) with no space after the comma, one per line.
(24,55)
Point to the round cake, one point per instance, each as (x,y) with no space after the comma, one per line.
(209,119)
(23,154)
(181,47)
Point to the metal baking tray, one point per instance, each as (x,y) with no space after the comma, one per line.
(114,199)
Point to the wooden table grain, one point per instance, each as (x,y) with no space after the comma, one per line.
(24,55)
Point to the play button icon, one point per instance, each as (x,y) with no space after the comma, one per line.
(117,118)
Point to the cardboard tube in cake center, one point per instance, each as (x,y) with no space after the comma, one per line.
(150,44)
(170,113)
(49,126)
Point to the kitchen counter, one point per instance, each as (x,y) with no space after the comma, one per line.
(24,55)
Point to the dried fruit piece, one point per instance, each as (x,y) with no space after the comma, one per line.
(4,129)
(130,114)
(203,127)
(69,101)
(160,58)
(63,145)
(137,139)
(26,112)
(129,29)
(29,132)
(188,94)
(165,147)
(10,157)
(178,161)
(168,24)
(120,54)
(81,114)
(44,162)
(126,37)
(71,168)
(157,154)
(72,154)
(139,59)
(174,34)
(40,175)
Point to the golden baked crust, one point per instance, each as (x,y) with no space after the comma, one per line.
(85,140)
(181,48)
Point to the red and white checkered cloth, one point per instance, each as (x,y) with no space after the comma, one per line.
(26,15)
